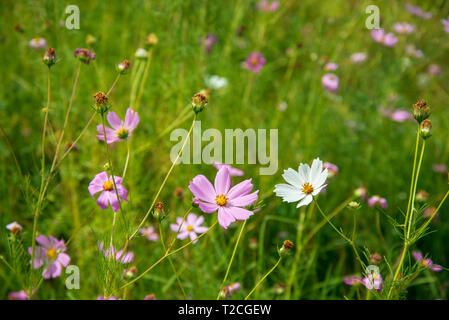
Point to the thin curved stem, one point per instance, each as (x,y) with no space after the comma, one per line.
(263,278)
(232,259)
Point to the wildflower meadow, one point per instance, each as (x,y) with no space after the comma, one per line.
(224,150)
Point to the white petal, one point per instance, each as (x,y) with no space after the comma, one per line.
(320,179)
(304,202)
(303,171)
(292,177)
(317,167)
(318,190)
(288,193)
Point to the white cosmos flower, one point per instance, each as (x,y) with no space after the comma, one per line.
(303,184)
(216,82)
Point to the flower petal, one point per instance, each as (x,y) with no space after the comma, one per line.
(240,189)
(114,120)
(222,181)
(304,202)
(202,189)
(224,218)
(244,201)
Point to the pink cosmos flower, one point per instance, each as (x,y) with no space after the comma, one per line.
(387,39)
(352,280)
(445,23)
(254,62)
(149,233)
(428,212)
(19,295)
(190,227)
(358,57)
(426,263)
(38,43)
(50,254)
(417,11)
(232,171)
(121,130)
(227,291)
(398,115)
(104,298)
(376,200)
(361,192)
(266,6)
(209,42)
(403,27)
(373,281)
(434,69)
(228,201)
(104,184)
(439,167)
(411,50)
(330,82)
(112,253)
(14,227)
(330,66)
(84,55)
(331,168)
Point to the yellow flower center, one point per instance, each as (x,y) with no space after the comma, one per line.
(122,133)
(424,263)
(51,253)
(254,62)
(307,188)
(189,228)
(221,200)
(108,186)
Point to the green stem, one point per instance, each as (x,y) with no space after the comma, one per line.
(263,278)
(232,259)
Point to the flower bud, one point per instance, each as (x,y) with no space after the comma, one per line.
(141,53)
(360,192)
(129,273)
(195,202)
(90,40)
(15,228)
(421,111)
(101,102)
(375,258)
(84,55)
(151,40)
(123,66)
(425,129)
(354,205)
(286,247)
(179,193)
(106,167)
(199,102)
(158,211)
(49,57)
(422,196)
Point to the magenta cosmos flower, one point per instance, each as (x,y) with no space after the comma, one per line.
(352,280)
(38,43)
(445,23)
(426,263)
(104,184)
(376,200)
(387,39)
(417,11)
(149,233)
(50,254)
(112,253)
(104,298)
(19,295)
(267,6)
(84,55)
(254,62)
(330,82)
(232,171)
(209,42)
(439,167)
(190,227)
(358,57)
(121,130)
(229,202)
(373,281)
(331,168)
(330,66)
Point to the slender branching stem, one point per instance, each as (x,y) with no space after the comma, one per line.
(263,278)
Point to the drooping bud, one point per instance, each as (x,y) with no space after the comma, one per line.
(101,102)
(123,66)
(199,102)
(151,40)
(286,247)
(49,57)
(426,127)
(421,111)
(159,210)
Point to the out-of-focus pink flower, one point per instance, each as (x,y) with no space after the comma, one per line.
(376,200)
(361,193)
(121,130)
(150,296)
(104,184)
(50,254)
(373,281)
(229,202)
(14,227)
(209,42)
(398,115)
(426,263)
(104,298)
(387,39)
(330,66)
(254,62)
(439,167)
(428,212)
(358,57)
(267,6)
(417,11)
(403,27)
(112,253)
(330,82)
(38,43)
(149,233)
(19,295)
(411,50)
(190,227)
(331,168)
(227,291)
(232,171)
(445,23)
(434,69)
(352,280)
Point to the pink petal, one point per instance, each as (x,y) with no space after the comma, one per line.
(43,241)
(244,201)
(224,218)
(103,200)
(239,213)
(202,189)
(222,181)
(241,189)
(64,259)
(208,207)
(131,119)
(114,120)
